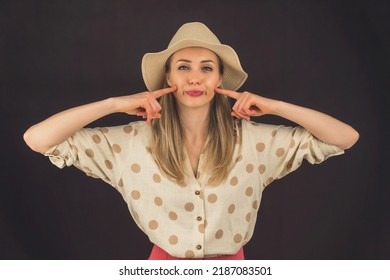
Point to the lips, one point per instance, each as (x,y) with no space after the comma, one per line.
(194,92)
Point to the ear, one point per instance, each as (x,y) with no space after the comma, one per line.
(220,82)
(168,80)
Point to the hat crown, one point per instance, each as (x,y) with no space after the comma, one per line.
(194,31)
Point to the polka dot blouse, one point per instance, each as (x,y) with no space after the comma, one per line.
(191,220)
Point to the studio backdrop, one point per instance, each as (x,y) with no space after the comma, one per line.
(331,56)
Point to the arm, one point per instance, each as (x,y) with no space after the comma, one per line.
(59,127)
(322,126)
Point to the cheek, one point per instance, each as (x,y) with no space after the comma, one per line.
(175,81)
(214,83)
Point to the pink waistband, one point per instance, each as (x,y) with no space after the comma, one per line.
(159,254)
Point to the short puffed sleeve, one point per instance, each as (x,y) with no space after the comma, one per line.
(99,152)
(281,149)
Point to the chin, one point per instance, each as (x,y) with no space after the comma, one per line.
(194,104)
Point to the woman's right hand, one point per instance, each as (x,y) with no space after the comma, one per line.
(59,127)
(143,104)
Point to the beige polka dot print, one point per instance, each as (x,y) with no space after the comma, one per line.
(260,147)
(89,153)
(156,178)
(136,168)
(108,164)
(212,198)
(173,239)
(158,201)
(116,148)
(237,238)
(96,139)
(189,206)
(231,208)
(249,191)
(153,224)
(104,129)
(219,234)
(279,152)
(234,181)
(135,195)
(172,215)
(249,168)
(128,129)
(189,254)
(262,168)
(304,146)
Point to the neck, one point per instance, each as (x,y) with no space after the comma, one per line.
(195,124)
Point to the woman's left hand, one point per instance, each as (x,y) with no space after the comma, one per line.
(249,104)
(322,126)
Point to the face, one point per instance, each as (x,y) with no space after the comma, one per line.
(195,72)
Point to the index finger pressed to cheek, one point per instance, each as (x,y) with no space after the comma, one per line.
(229,93)
(163,91)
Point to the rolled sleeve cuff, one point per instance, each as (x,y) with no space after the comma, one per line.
(328,150)
(62,155)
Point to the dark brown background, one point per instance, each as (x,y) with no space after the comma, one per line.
(332,56)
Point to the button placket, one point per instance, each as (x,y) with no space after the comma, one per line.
(198,219)
(195,184)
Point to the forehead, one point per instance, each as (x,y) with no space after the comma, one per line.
(194,54)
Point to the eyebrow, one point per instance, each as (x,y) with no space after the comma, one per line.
(189,61)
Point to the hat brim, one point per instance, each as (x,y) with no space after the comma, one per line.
(153,64)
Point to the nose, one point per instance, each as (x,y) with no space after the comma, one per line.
(194,78)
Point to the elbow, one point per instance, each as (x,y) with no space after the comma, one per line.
(33,141)
(351,139)
(28,139)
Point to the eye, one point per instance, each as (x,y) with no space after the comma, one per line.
(183,67)
(207,68)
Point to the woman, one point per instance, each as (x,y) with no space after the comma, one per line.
(193,173)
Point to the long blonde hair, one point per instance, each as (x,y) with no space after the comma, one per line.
(167,143)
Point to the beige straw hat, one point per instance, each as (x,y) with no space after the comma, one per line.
(193,34)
